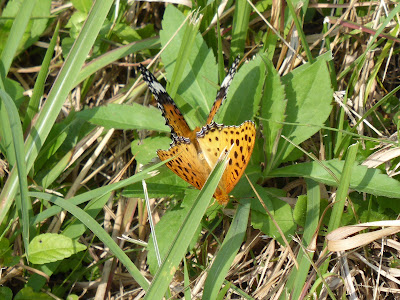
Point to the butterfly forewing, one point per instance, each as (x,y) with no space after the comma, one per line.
(173,117)
(221,95)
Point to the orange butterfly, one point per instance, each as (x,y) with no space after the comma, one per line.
(195,152)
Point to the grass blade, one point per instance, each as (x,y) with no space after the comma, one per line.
(57,96)
(183,237)
(240,27)
(23,201)
(341,194)
(298,277)
(189,36)
(229,249)
(33,104)
(92,224)
(82,198)
(7,55)
(16,33)
(113,55)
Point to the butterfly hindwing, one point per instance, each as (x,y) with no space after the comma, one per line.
(215,138)
(185,162)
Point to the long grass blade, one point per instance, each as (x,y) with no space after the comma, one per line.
(23,201)
(183,237)
(92,224)
(33,105)
(57,96)
(227,253)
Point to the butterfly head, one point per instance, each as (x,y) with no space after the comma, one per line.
(221,196)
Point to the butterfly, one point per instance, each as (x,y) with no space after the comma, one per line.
(195,152)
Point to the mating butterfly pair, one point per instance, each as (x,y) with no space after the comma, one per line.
(195,152)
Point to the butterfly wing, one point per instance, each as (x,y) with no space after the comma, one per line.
(173,117)
(186,164)
(221,95)
(215,138)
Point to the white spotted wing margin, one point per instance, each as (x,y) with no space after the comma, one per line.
(223,91)
(173,117)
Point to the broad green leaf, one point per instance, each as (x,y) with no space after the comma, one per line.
(300,210)
(368,211)
(198,86)
(309,95)
(50,247)
(121,116)
(389,203)
(82,5)
(6,257)
(73,230)
(4,246)
(115,54)
(156,190)
(75,23)
(6,293)
(363,180)
(15,91)
(29,293)
(92,225)
(165,184)
(240,26)
(39,20)
(145,150)
(62,138)
(273,106)
(183,53)
(244,94)
(280,210)
(37,23)
(126,33)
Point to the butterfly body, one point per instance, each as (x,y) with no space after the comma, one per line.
(194,153)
